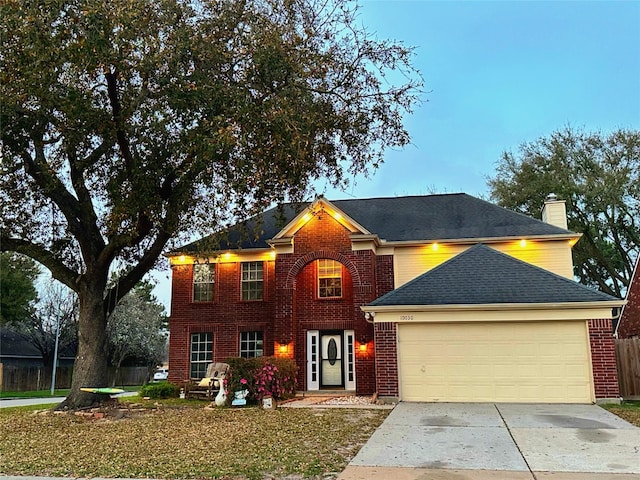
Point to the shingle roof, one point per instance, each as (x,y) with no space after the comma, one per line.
(481,275)
(13,343)
(412,218)
(17,344)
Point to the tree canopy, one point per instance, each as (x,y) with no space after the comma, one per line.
(129,124)
(136,329)
(599,177)
(17,288)
(55,311)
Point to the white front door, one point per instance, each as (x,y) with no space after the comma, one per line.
(331,366)
(330,359)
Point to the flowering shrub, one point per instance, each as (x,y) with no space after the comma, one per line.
(262,376)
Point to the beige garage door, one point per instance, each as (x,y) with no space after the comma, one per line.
(495,362)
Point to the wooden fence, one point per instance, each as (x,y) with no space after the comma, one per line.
(628,358)
(14,378)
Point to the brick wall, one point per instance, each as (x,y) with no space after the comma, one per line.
(630,319)
(386,359)
(225,317)
(603,359)
(290,307)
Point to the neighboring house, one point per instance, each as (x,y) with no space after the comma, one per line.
(629,325)
(17,350)
(421,298)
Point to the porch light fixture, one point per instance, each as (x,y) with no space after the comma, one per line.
(362,347)
(283,347)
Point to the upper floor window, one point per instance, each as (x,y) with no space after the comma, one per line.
(203,279)
(252,275)
(329,278)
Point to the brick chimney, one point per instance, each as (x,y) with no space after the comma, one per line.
(554,211)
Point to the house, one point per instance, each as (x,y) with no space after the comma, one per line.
(22,367)
(417,298)
(629,325)
(17,350)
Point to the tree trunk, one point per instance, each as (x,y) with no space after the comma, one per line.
(90,368)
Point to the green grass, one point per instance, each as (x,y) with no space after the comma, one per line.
(630,411)
(184,441)
(56,393)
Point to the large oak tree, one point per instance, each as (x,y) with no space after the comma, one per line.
(599,177)
(128,124)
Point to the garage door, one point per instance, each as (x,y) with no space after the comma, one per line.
(495,362)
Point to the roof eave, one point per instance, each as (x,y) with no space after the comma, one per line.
(492,306)
(486,240)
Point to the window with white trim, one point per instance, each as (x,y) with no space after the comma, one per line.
(329,278)
(252,280)
(203,280)
(251,344)
(201,353)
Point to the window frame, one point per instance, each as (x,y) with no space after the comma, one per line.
(203,354)
(252,339)
(322,273)
(199,286)
(254,285)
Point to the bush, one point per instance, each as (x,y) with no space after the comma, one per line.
(262,377)
(160,390)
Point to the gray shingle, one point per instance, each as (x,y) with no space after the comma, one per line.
(412,218)
(482,275)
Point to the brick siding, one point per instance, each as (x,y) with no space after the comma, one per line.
(603,359)
(291,306)
(386,359)
(630,319)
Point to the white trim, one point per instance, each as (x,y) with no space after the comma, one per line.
(349,360)
(313,364)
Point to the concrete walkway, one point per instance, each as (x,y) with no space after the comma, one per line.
(25,402)
(499,442)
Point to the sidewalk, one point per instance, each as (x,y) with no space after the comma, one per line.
(25,402)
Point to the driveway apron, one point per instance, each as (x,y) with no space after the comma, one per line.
(495,441)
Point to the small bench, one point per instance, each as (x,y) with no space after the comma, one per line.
(210,385)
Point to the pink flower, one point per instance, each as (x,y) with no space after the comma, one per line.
(243,381)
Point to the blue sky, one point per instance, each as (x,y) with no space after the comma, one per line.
(498,74)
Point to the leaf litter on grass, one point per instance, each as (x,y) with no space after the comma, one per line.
(186,443)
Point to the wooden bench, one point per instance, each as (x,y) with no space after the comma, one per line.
(209,386)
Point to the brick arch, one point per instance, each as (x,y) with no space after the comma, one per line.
(310,257)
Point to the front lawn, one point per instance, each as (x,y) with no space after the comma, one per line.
(184,442)
(630,411)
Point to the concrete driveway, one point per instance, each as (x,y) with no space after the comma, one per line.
(482,441)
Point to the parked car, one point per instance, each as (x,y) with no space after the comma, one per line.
(160,374)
